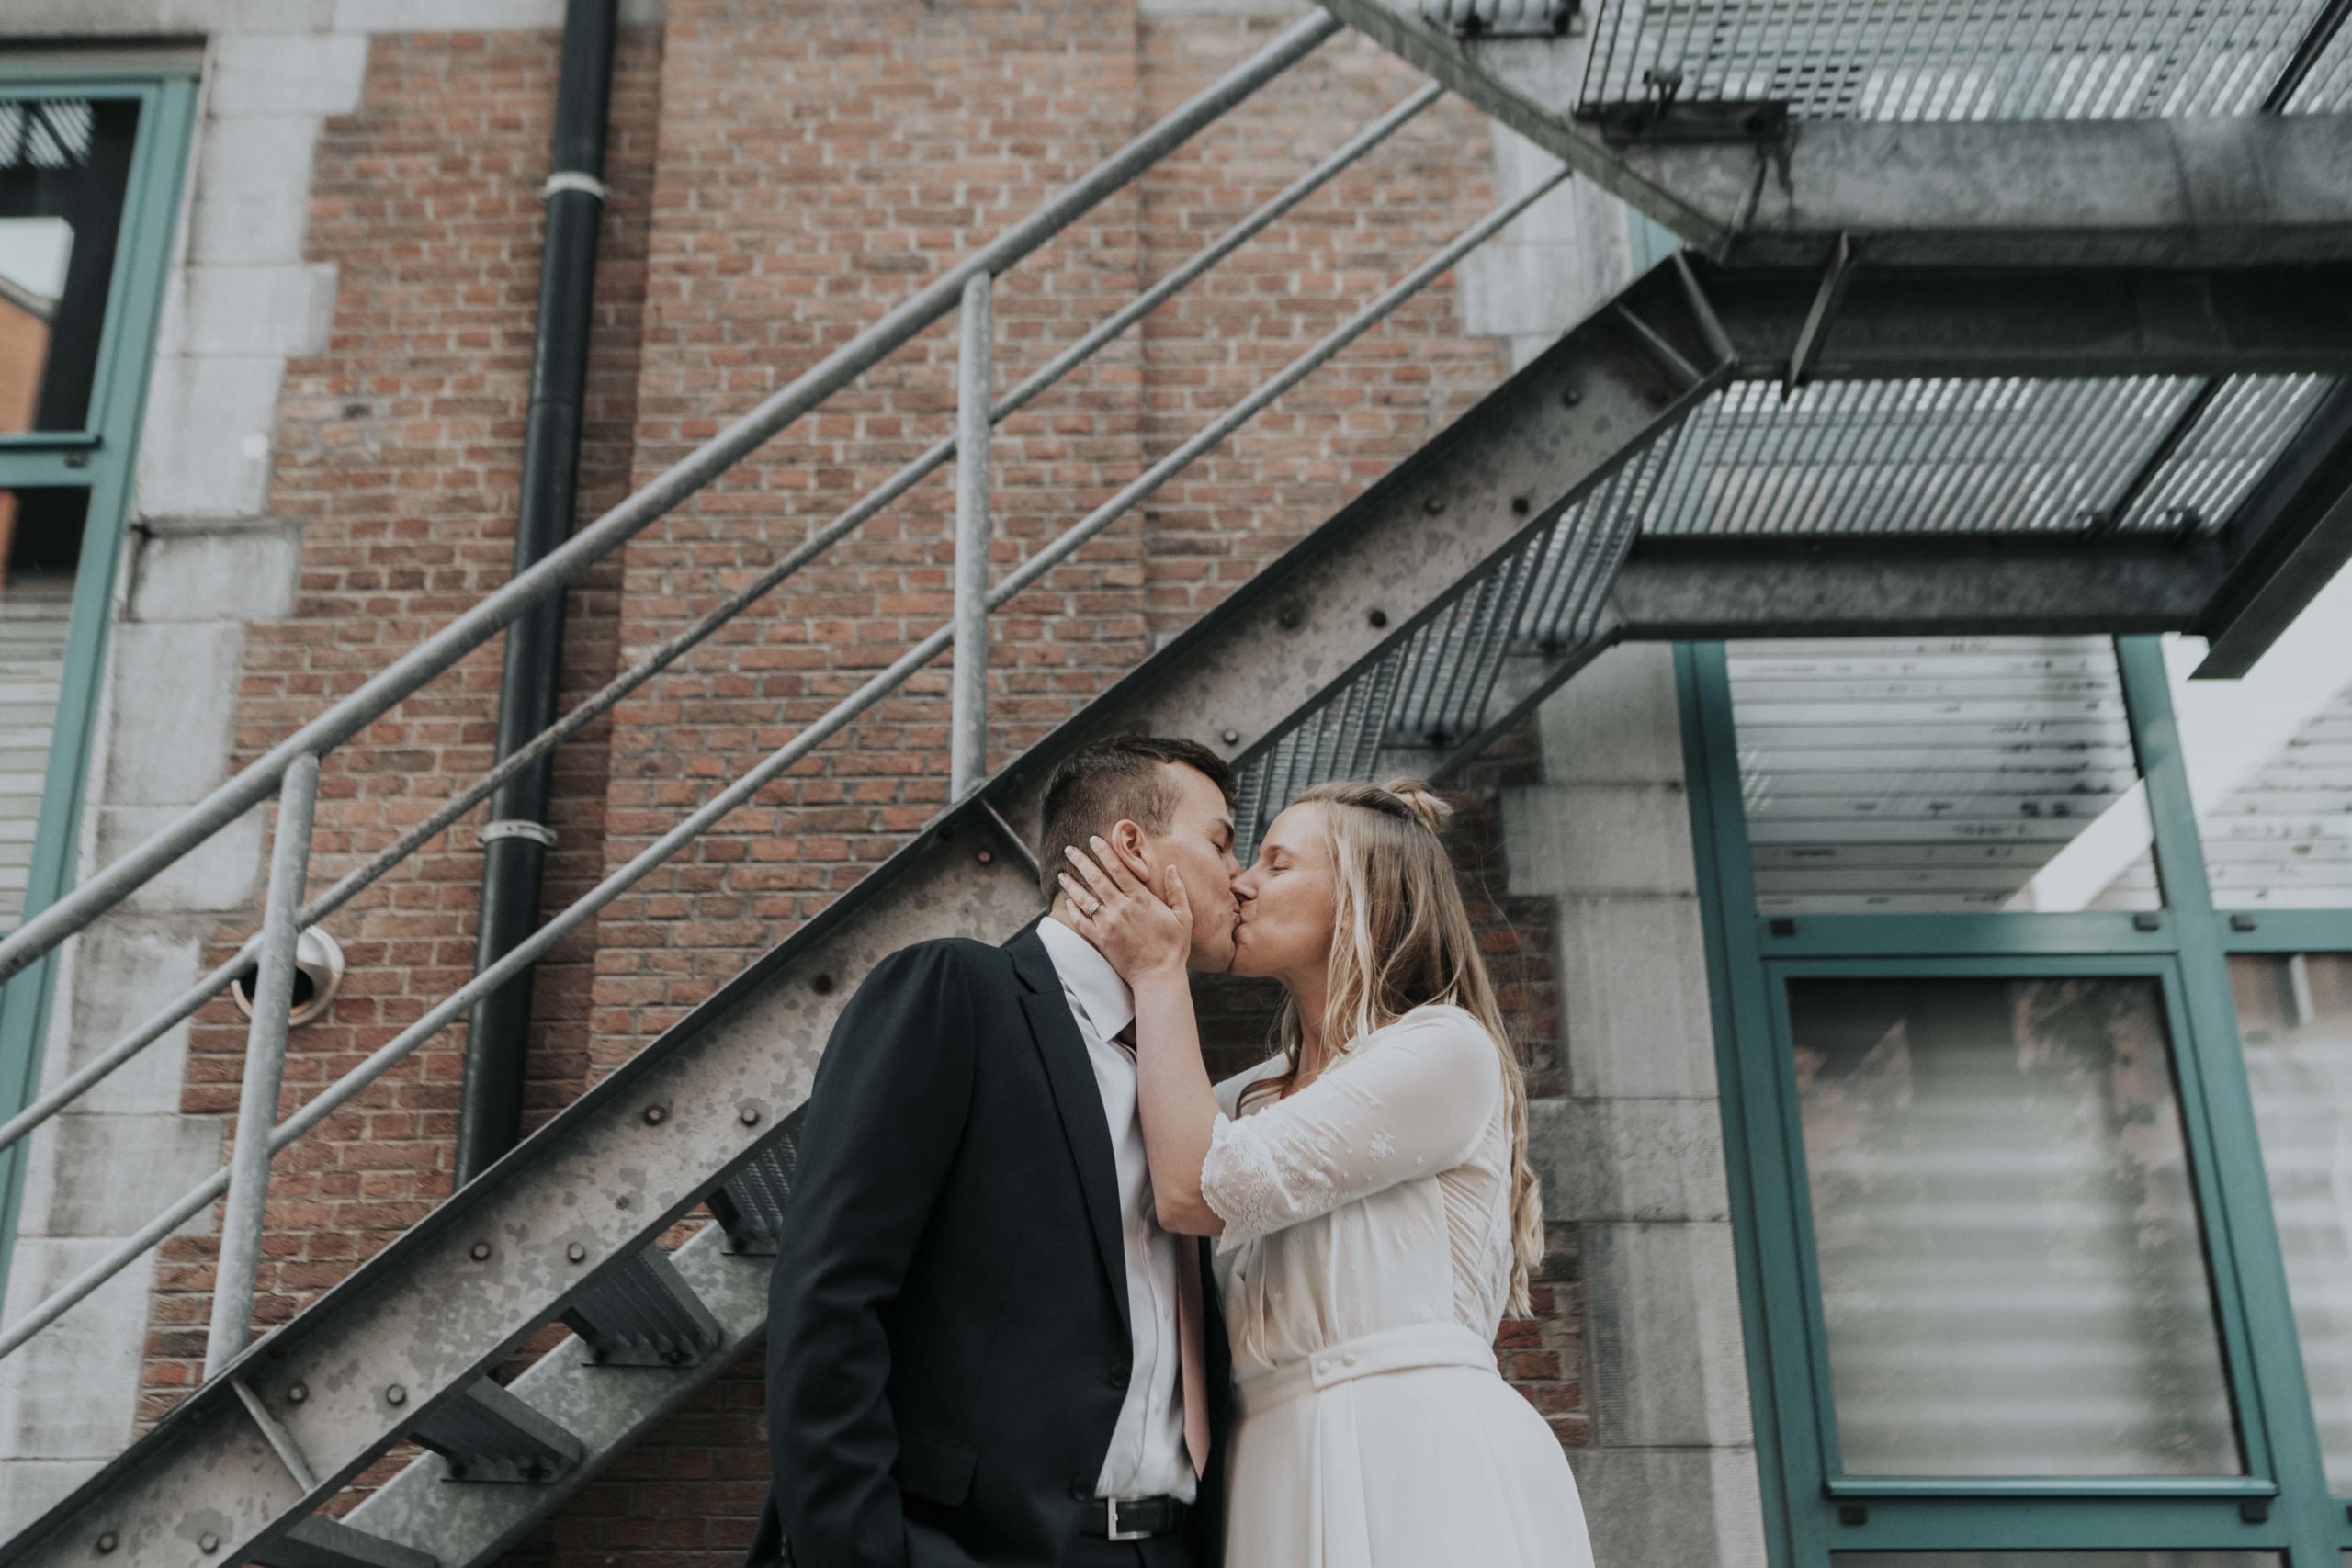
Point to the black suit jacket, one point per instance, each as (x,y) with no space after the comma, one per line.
(947,1334)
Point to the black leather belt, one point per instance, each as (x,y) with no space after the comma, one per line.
(1133,1519)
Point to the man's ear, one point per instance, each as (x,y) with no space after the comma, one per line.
(1126,838)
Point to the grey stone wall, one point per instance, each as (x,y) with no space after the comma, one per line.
(1633,1155)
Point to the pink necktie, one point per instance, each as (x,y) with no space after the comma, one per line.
(1192,1355)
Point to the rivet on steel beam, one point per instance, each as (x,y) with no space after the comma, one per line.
(1434,505)
(748,1115)
(576,1252)
(1290,617)
(297,1392)
(396,1394)
(1233,738)
(208,1543)
(986,857)
(1521,506)
(1379,618)
(108,1541)
(480,1251)
(823,985)
(654,1115)
(1570,397)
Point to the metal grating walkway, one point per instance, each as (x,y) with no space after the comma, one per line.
(1958,59)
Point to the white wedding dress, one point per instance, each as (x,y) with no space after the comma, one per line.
(1364,1266)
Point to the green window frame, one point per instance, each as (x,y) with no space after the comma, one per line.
(100,459)
(2281,1503)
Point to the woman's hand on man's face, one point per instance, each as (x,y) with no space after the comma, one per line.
(1140,931)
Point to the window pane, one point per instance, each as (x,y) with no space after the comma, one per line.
(2295,1017)
(2012,1272)
(1956,775)
(2058,1560)
(2270,767)
(40,542)
(64,164)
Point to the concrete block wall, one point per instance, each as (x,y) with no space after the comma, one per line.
(1632,1154)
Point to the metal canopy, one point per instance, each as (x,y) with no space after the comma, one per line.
(2122,132)
(2013,451)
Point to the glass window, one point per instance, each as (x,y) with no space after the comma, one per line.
(40,544)
(1981,774)
(2270,769)
(64,168)
(2013,1277)
(2295,1020)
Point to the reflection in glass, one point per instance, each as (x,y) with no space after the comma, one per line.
(1886,777)
(2272,776)
(2295,1019)
(41,541)
(2058,1560)
(64,164)
(2012,1274)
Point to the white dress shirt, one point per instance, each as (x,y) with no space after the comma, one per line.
(1146,1457)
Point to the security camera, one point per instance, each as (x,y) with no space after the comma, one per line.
(318,970)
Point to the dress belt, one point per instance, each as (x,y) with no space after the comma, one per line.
(1390,1350)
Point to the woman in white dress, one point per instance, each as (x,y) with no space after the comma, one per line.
(1369,1191)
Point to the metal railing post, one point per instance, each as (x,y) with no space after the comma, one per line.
(289,864)
(967,729)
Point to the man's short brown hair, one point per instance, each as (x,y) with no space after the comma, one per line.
(1104,781)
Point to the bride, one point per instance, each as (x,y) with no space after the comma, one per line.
(1369,1189)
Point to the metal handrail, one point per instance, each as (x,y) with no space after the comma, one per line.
(675,647)
(246,1174)
(258,780)
(724,802)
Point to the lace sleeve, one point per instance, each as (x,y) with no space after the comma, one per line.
(1413,1102)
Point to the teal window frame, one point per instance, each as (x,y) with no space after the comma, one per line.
(100,459)
(2281,1503)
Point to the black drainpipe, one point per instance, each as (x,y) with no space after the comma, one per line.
(516,839)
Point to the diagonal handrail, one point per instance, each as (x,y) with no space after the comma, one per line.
(258,780)
(678,644)
(748,784)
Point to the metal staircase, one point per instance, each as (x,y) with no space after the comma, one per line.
(2166,440)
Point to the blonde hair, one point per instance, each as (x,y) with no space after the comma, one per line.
(1401,939)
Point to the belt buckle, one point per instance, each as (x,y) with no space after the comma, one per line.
(1112,1521)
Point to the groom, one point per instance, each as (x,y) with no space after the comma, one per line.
(982,1348)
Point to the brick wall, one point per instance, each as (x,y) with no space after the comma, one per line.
(397,452)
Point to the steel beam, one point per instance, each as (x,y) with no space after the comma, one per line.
(1998,584)
(2237,190)
(2040,321)
(513,1249)
(2288,539)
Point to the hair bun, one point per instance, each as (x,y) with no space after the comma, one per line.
(1428,810)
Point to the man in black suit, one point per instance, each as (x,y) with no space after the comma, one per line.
(978,1336)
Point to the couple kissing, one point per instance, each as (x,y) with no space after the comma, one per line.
(1047,1295)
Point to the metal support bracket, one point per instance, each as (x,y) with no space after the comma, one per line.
(1827,303)
(280,1443)
(487,1434)
(322,1542)
(1664,119)
(515,828)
